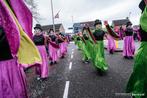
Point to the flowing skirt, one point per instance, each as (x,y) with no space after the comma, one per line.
(111,44)
(79,44)
(85,52)
(53,53)
(43,69)
(129,46)
(62,50)
(138,80)
(12,80)
(65,47)
(97,56)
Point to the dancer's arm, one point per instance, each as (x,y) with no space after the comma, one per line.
(82,38)
(91,35)
(111,32)
(60,38)
(45,40)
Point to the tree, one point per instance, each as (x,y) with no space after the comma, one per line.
(33,7)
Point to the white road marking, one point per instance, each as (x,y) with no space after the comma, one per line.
(70,65)
(71,56)
(72,52)
(65,95)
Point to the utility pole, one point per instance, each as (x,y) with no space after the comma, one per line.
(53,15)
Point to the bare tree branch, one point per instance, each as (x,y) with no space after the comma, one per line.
(32,4)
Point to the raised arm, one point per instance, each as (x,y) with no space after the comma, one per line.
(91,35)
(111,32)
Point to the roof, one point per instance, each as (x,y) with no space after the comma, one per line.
(120,22)
(82,24)
(77,27)
(48,27)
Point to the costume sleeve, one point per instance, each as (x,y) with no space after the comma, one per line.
(27,54)
(111,32)
(143,20)
(21,10)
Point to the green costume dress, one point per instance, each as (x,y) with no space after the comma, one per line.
(85,48)
(74,39)
(97,51)
(137,83)
(78,42)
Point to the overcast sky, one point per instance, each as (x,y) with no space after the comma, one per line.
(88,10)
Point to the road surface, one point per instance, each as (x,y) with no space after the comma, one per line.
(71,78)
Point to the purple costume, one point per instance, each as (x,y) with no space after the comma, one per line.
(129,46)
(42,69)
(53,49)
(111,44)
(12,77)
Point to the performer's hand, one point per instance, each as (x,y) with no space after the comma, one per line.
(88,29)
(105,23)
(145,2)
(81,35)
(60,36)
(86,26)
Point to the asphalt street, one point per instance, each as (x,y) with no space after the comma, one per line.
(71,78)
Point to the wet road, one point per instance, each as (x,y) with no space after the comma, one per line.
(71,78)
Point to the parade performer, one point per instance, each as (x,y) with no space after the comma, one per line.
(85,45)
(121,33)
(61,42)
(129,46)
(78,41)
(137,84)
(97,56)
(74,38)
(40,41)
(66,42)
(136,34)
(53,47)
(16,50)
(111,47)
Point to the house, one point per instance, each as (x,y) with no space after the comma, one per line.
(119,23)
(77,27)
(136,27)
(58,28)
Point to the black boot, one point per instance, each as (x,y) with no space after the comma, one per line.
(100,72)
(51,63)
(87,61)
(111,52)
(131,57)
(55,62)
(126,57)
(62,56)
